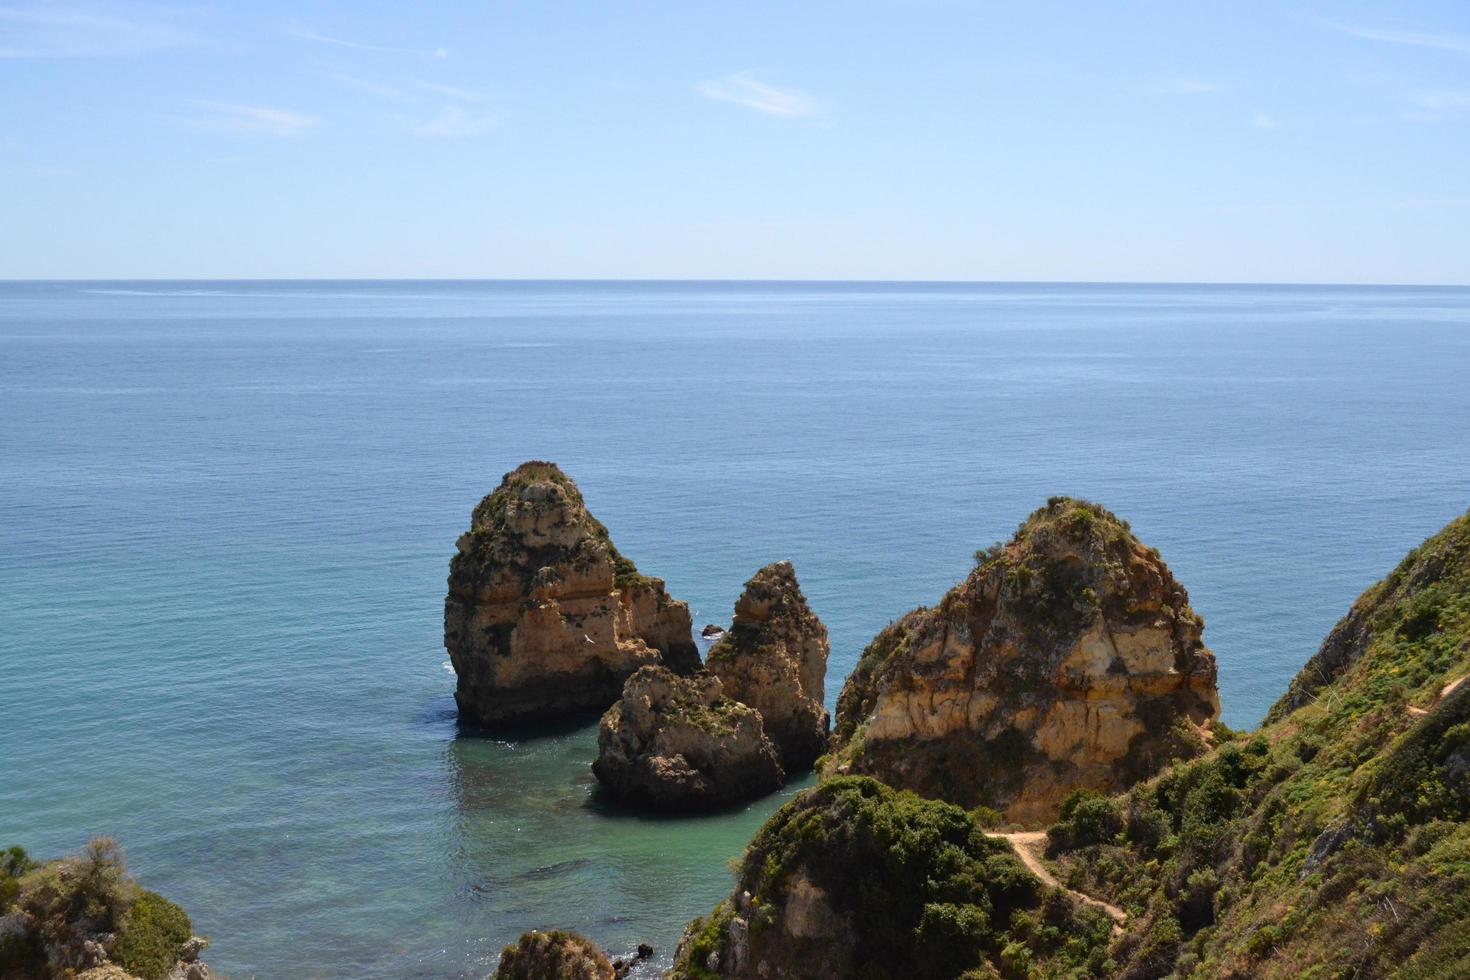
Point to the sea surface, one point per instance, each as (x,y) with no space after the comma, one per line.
(227,511)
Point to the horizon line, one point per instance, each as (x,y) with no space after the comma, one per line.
(739,281)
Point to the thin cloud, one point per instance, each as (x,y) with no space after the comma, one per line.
(1419,39)
(452,91)
(1443,99)
(231,117)
(368,87)
(305,34)
(1180,85)
(454,121)
(1264,120)
(59,31)
(743,89)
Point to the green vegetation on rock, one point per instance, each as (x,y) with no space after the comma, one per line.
(857,879)
(60,906)
(1334,842)
(555,955)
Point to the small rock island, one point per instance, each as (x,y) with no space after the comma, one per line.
(1069,659)
(544,617)
(678,743)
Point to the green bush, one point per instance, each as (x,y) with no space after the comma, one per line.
(149,944)
(1087,818)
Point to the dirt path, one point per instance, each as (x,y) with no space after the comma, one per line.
(1444,692)
(1028,847)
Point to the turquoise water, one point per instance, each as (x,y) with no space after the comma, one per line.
(228,510)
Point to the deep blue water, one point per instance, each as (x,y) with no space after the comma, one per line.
(228,510)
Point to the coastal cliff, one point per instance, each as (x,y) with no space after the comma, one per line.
(1335,840)
(678,743)
(544,617)
(1068,659)
(774,659)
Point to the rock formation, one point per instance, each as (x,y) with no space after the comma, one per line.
(544,617)
(855,879)
(555,955)
(86,917)
(1068,659)
(774,658)
(677,743)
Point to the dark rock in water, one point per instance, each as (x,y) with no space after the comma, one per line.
(623,967)
(555,955)
(1069,659)
(774,658)
(711,631)
(677,743)
(544,617)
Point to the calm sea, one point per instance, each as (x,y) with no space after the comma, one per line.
(227,511)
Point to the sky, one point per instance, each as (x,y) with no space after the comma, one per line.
(1144,141)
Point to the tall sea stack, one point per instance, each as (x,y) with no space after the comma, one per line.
(544,617)
(774,658)
(1068,659)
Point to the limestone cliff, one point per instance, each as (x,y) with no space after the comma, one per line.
(774,658)
(677,743)
(544,617)
(1068,659)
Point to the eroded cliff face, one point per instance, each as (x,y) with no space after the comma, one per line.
(544,617)
(1069,659)
(774,658)
(678,743)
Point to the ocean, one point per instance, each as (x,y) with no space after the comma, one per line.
(229,507)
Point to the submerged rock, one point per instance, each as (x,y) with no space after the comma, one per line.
(544,617)
(1069,659)
(774,658)
(677,743)
(555,955)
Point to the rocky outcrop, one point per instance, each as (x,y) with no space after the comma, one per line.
(774,658)
(86,917)
(677,743)
(555,955)
(1068,659)
(544,617)
(855,879)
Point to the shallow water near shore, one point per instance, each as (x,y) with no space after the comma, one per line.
(229,510)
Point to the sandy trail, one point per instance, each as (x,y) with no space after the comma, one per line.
(1444,692)
(1028,846)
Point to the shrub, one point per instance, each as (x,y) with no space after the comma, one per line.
(1087,818)
(149,944)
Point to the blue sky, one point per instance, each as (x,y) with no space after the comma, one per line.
(1231,141)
